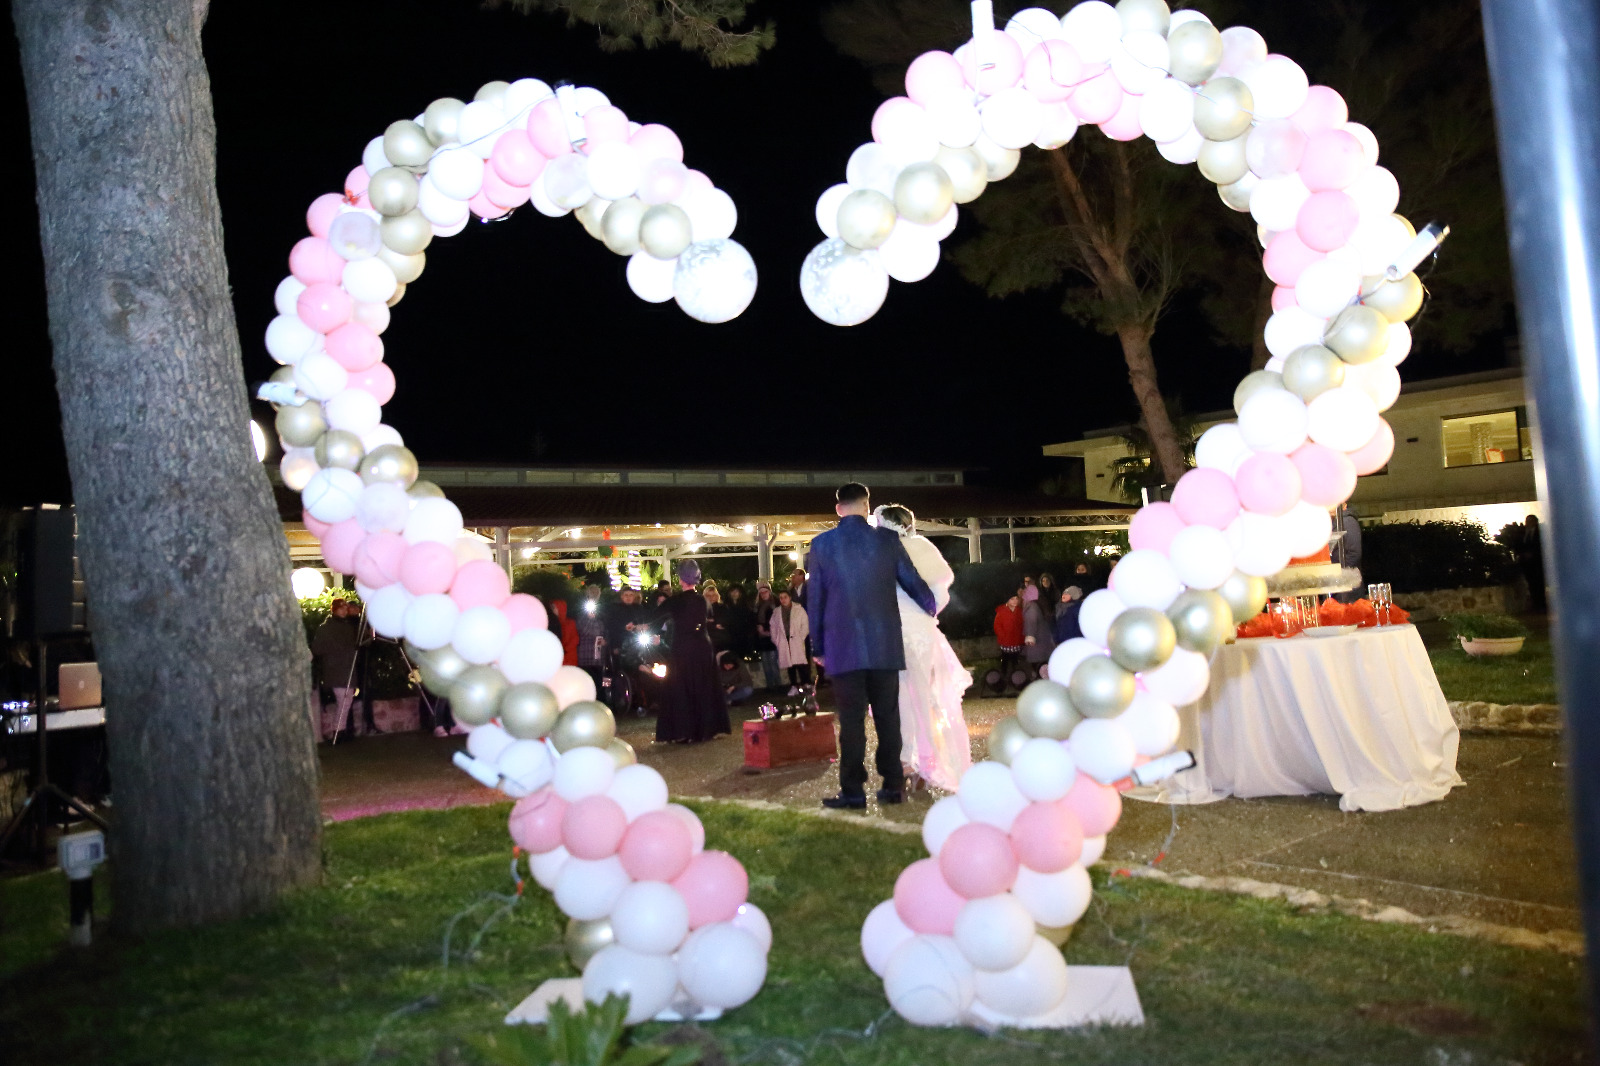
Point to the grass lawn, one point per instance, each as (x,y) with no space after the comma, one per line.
(352,971)
(1526,677)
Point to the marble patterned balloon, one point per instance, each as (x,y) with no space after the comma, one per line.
(842,285)
(715,280)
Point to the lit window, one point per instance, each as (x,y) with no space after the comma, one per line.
(1491,437)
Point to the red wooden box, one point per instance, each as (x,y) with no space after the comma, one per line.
(782,741)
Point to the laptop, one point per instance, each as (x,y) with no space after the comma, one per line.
(80,686)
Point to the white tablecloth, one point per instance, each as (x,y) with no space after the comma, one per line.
(1359,715)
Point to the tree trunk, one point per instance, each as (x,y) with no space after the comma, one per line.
(206,669)
(1165,450)
(1258,340)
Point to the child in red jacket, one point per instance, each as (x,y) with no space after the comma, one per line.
(567,630)
(1008,634)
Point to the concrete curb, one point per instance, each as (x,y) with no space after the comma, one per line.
(1476,716)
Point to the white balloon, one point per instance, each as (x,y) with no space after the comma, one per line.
(1043,771)
(571,684)
(488,741)
(754,921)
(1140,61)
(1377,241)
(1069,653)
(909,133)
(1369,143)
(712,214)
(648,981)
(1102,749)
(1399,345)
(383,506)
(386,610)
(828,209)
(1093,28)
(1278,85)
(372,156)
(438,206)
(542,203)
(586,98)
(1056,899)
(1274,420)
(1166,111)
(452,228)
(433,518)
(1180,680)
(1260,544)
(1327,287)
(614,170)
(942,819)
(370,281)
(883,932)
(584,772)
(638,789)
(1276,202)
(480,634)
(470,549)
(995,932)
(1201,557)
(320,376)
(1093,849)
(988,794)
(1033,986)
(1032,25)
(1060,125)
(286,298)
(1187,15)
(650,917)
(957,122)
(911,253)
(841,285)
(331,494)
(1184,149)
(1291,328)
(1012,117)
(546,866)
(524,766)
(479,126)
(721,966)
(1222,448)
(1342,418)
(651,278)
(430,620)
(1308,528)
(566,180)
(1152,723)
(290,340)
(928,981)
(872,166)
(1379,380)
(715,279)
(1002,161)
(531,655)
(524,93)
(1376,193)
(353,410)
(1145,578)
(1100,608)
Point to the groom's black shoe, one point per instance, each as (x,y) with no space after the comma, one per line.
(891,795)
(843,802)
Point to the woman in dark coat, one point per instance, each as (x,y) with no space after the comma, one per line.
(741,624)
(693,705)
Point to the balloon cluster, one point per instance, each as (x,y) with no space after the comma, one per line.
(1261,494)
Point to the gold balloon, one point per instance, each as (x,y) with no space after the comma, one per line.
(475,695)
(1201,620)
(1100,688)
(1195,49)
(1237,194)
(923,193)
(341,448)
(585,724)
(1358,335)
(1245,594)
(1058,935)
(1006,737)
(422,489)
(1000,161)
(622,753)
(585,939)
(301,427)
(439,667)
(866,218)
(1045,709)
(529,710)
(590,214)
(1222,109)
(442,121)
(619,226)
(493,92)
(1223,161)
(284,374)
(968,173)
(1140,638)
(393,191)
(406,144)
(407,268)
(1253,383)
(1396,300)
(1152,15)
(399,294)
(406,234)
(664,231)
(391,463)
(1311,371)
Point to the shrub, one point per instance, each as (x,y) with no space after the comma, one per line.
(1417,556)
(1475,626)
(388,673)
(549,584)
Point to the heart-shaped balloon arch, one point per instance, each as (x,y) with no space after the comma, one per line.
(969,931)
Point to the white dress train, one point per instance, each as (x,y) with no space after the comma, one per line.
(933,732)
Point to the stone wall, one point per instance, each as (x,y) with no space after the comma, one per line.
(1438,603)
(1475,716)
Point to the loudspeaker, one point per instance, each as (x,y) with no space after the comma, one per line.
(50,594)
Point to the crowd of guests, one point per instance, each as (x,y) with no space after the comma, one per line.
(1041,614)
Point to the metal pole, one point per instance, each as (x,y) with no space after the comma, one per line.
(974,540)
(765,536)
(1011,537)
(1544,65)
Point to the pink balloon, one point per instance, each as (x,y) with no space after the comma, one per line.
(1333,160)
(536,821)
(1096,100)
(1051,70)
(376,379)
(889,113)
(1154,526)
(657,847)
(1275,148)
(354,346)
(515,160)
(593,827)
(1374,455)
(1268,483)
(547,129)
(1097,806)
(313,259)
(662,181)
(339,545)
(1327,476)
(378,557)
(480,583)
(696,181)
(1047,837)
(1326,220)
(976,860)
(427,568)
(317,526)
(655,141)
(1287,257)
(1283,296)
(605,123)
(1206,497)
(924,901)
(524,612)
(697,832)
(324,306)
(1004,52)
(323,210)
(355,184)
(483,207)
(1124,125)
(1324,109)
(933,76)
(502,193)
(714,885)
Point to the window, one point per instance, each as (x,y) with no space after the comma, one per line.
(1491,437)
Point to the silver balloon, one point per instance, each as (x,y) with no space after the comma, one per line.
(393,191)
(407,268)
(1000,161)
(843,286)
(529,710)
(399,294)
(1045,709)
(439,668)
(584,940)
(590,214)
(1060,934)
(923,193)
(1253,383)
(715,280)
(475,695)
(622,753)
(1311,371)
(1358,334)
(1100,688)
(619,226)
(1397,300)
(1223,109)
(585,724)
(407,234)
(1140,638)
(1237,194)
(493,92)
(665,231)
(1151,15)
(422,489)
(340,448)
(1223,161)
(406,144)
(1195,50)
(390,463)
(1245,594)
(1201,620)
(303,426)
(442,120)
(866,218)
(968,173)
(1006,737)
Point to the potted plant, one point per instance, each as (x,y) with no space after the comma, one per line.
(1488,634)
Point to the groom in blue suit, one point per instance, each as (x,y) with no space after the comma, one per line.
(855,633)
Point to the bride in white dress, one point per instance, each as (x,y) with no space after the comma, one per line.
(933,733)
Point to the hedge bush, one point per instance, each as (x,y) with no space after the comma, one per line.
(1418,556)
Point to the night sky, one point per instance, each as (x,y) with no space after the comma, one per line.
(522,343)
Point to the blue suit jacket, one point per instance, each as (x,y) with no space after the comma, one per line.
(855,617)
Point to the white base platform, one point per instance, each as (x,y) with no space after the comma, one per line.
(1096,995)
(532,1011)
